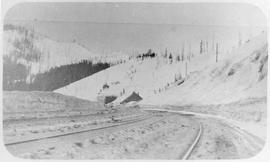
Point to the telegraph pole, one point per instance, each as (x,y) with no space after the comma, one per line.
(217,52)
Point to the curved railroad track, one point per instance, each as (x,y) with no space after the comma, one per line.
(187,153)
(255,143)
(193,144)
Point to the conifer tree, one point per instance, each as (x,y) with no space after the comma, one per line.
(171,58)
(201,47)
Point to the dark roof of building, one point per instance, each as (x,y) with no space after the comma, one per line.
(133,97)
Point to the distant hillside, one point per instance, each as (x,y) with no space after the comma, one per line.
(14,75)
(32,61)
(40,53)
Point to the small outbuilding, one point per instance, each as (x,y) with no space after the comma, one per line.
(133,97)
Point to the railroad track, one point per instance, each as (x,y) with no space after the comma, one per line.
(254,142)
(194,143)
(184,156)
(145,117)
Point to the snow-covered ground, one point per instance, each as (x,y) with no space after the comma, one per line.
(138,76)
(147,77)
(236,76)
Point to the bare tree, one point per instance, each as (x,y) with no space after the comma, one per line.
(183,51)
(189,54)
(166,53)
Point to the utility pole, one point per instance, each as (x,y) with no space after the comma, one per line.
(183,51)
(189,55)
(201,47)
(217,52)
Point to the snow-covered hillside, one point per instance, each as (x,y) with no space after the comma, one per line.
(124,78)
(201,79)
(148,76)
(236,76)
(24,43)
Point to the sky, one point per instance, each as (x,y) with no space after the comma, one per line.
(108,27)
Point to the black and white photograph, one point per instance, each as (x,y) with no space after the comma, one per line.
(134,80)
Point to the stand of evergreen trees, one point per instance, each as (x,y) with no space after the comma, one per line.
(14,75)
(149,54)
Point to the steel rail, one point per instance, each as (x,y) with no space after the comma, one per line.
(88,130)
(194,143)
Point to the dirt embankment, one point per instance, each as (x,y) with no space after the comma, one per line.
(23,105)
(32,115)
(17,101)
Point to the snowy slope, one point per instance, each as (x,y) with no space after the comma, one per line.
(236,76)
(206,81)
(147,77)
(144,77)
